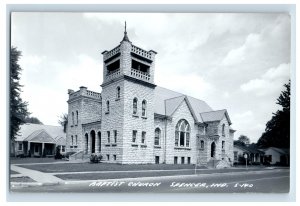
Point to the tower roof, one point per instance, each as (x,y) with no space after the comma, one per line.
(125,38)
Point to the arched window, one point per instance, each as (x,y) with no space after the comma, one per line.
(77,117)
(107,106)
(157,136)
(118,93)
(202,144)
(182,134)
(134,106)
(144,105)
(72,118)
(223,129)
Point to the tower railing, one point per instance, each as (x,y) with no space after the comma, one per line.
(140,75)
(113,75)
(141,52)
(111,53)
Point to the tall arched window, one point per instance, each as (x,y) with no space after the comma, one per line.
(144,106)
(223,129)
(134,106)
(77,117)
(72,118)
(157,136)
(182,134)
(118,93)
(107,106)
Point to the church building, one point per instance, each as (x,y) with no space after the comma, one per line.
(134,121)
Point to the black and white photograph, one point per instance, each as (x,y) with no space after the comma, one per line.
(112,102)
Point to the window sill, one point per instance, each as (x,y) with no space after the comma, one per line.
(107,145)
(183,148)
(134,145)
(144,117)
(135,115)
(106,112)
(114,144)
(157,146)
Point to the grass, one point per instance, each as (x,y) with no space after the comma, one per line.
(13,172)
(17,160)
(21,179)
(83,167)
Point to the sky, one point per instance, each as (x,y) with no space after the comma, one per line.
(237,62)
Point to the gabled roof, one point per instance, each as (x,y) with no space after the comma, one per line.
(40,136)
(29,129)
(248,149)
(167,101)
(282,151)
(215,116)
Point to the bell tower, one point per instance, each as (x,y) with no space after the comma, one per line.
(127,103)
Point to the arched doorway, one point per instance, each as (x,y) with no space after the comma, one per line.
(93,141)
(213,149)
(99,139)
(86,143)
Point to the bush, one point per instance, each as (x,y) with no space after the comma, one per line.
(58,155)
(95,158)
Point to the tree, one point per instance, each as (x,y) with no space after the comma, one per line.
(244,139)
(277,132)
(18,108)
(63,121)
(33,120)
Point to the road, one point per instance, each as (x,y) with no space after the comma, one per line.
(267,181)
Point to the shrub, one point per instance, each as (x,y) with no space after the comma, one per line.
(95,158)
(58,155)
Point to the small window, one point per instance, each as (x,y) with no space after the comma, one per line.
(108,137)
(20,146)
(107,157)
(115,135)
(115,157)
(144,105)
(223,145)
(118,93)
(134,106)
(182,160)
(72,138)
(235,155)
(75,139)
(189,160)
(107,106)
(223,129)
(175,160)
(202,144)
(143,137)
(134,132)
(157,136)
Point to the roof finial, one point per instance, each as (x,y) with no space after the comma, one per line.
(125,38)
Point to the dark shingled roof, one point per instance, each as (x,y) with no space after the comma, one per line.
(167,101)
(39,131)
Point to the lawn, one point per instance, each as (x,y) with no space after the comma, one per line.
(18,160)
(83,167)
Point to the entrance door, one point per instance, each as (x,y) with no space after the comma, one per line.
(213,149)
(156,159)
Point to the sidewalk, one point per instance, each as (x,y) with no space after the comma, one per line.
(39,177)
